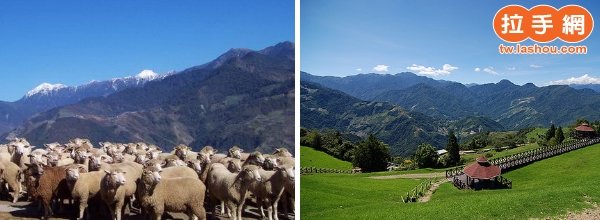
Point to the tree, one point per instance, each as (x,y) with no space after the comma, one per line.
(371,155)
(560,136)
(313,139)
(426,156)
(453,149)
(550,132)
(581,121)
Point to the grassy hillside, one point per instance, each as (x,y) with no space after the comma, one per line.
(310,157)
(547,188)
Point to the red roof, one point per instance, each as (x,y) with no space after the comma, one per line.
(482,169)
(584,127)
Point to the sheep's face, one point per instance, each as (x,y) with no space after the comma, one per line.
(195,165)
(129,149)
(270,163)
(251,173)
(288,172)
(234,165)
(36,159)
(204,157)
(151,176)
(19,148)
(235,152)
(73,173)
(153,164)
(118,158)
(260,158)
(95,162)
(35,169)
(140,158)
(80,155)
(209,150)
(116,177)
(52,158)
(282,152)
(181,152)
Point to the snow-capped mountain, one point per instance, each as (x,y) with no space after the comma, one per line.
(48,95)
(45,89)
(91,89)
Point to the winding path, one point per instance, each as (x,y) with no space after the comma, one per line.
(410,176)
(432,189)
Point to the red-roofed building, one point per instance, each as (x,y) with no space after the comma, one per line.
(584,131)
(482,169)
(480,175)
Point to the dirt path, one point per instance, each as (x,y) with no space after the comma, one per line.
(410,176)
(432,189)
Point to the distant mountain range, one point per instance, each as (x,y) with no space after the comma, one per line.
(47,96)
(403,130)
(243,97)
(511,105)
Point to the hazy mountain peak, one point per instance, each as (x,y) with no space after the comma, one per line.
(505,82)
(45,88)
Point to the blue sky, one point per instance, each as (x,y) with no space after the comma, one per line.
(340,38)
(73,42)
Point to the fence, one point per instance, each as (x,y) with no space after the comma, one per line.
(310,170)
(514,161)
(418,191)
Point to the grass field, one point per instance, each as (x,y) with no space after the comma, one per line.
(310,157)
(547,188)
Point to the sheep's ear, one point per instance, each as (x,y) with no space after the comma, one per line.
(107,172)
(43,155)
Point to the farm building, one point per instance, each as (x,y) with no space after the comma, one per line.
(584,131)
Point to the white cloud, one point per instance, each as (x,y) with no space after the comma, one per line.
(445,70)
(381,68)
(585,79)
(535,66)
(511,68)
(359,69)
(477,69)
(490,70)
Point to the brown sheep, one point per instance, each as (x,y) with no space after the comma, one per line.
(52,184)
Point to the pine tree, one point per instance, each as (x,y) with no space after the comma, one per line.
(453,149)
(551,132)
(560,136)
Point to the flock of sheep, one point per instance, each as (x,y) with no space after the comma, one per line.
(139,178)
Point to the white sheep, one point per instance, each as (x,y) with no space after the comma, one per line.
(182,194)
(269,191)
(185,153)
(210,150)
(230,187)
(119,185)
(11,175)
(84,186)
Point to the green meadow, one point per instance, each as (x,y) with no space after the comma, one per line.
(548,188)
(310,157)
